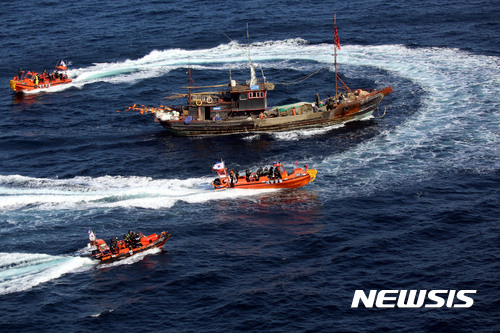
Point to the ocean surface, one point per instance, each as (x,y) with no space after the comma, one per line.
(409,201)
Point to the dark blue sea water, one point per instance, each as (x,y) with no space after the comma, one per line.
(409,201)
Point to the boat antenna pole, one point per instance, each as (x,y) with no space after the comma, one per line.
(253,78)
(252,68)
(263,77)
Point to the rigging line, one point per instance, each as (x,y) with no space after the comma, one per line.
(385,109)
(301,79)
(236,44)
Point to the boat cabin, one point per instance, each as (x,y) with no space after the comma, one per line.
(240,100)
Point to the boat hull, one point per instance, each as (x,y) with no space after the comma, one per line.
(125,253)
(28,85)
(295,180)
(276,183)
(357,109)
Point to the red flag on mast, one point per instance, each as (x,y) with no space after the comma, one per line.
(336,36)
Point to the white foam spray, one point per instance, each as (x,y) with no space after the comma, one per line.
(23,271)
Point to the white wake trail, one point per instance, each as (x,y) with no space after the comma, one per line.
(23,271)
(19,192)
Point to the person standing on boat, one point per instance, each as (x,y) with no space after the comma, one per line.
(114,244)
(277,174)
(231,178)
(260,173)
(128,237)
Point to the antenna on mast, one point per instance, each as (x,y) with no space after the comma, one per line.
(253,76)
(263,77)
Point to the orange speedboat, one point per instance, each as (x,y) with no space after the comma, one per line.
(132,243)
(28,81)
(274,177)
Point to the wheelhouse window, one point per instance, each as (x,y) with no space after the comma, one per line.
(256,94)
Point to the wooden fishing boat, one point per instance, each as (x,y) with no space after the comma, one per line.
(132,244)
(274,177)
(29,80)
(242,108)
(193,121)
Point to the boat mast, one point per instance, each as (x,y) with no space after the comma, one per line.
(335,48)
(189,84)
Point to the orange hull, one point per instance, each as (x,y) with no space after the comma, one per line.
(122,250)
(28,85)
(264,182)
(29,80)
(300,177)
